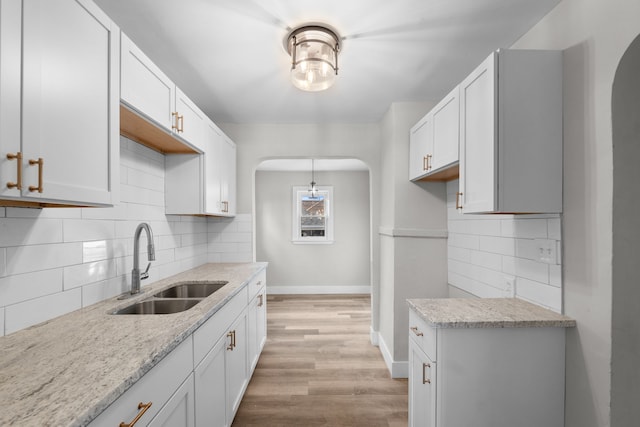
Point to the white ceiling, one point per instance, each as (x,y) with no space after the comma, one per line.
(227,55)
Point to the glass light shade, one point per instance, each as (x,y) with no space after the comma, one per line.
(314,57)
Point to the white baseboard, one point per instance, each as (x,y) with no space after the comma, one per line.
(396,369)
(319,290)
(373,336)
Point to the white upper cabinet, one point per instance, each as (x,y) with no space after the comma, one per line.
(59,103)
(511,134)
(145,87)
(203,184)
(433,141)
(147,91)
(420,147)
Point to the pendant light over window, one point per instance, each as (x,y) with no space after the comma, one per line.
(313,190)
(314,57)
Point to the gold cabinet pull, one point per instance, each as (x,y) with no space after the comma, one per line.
(458,200)
(225,206)
(178,122)
(416,331)
(142,407)
(40,163)
(234,338)
(261,303)
(230,336)
(425,380)
(429,157)
(425,163)
(18,183)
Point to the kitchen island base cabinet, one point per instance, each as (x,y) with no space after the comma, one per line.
(486,377)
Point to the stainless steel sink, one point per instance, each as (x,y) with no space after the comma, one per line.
(191,290)
(159,306)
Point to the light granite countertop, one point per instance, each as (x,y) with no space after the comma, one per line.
(66,371)
(487,313)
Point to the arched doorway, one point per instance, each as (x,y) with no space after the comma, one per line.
(625,374)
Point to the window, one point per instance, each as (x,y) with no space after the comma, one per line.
(312,215)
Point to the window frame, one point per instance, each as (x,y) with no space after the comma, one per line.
(296,238)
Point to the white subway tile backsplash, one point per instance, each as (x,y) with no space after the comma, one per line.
(3,262)
(28,313)
(97,250)
(57,213)
(497,245)
(25,259)
(236,237)
(487,252)
(26,231)
(77,230)
(99,291)
(82,274)
(540,293)
(23,287)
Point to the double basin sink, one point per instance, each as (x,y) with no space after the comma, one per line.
(177,298)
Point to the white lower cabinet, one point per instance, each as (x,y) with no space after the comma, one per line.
(210,385)
(485,377)
(156,387)
(257,319)
(237,370)
(179,410)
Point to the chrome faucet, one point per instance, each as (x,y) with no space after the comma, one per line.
(136,276)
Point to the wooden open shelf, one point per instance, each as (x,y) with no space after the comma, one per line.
(141,130)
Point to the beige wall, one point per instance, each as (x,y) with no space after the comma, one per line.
(344,263)
(593,34)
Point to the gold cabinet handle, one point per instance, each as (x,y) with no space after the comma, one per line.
(18,183)
(425,163)
(178,122)
(230,336)
(458,200)
(40,163)
(416,331)
(425,380)
(261,303)
(429,157)
(142,407)
(225,206)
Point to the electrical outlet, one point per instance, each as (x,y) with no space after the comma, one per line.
(547,251)
(509,287)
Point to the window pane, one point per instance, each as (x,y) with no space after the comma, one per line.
(312,217)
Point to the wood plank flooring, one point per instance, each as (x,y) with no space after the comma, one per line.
(318,368)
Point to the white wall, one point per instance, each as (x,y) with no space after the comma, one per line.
(494,256)
(593,35)
(56,260)
(340,267)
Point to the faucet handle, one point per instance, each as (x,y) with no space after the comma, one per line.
(145,274)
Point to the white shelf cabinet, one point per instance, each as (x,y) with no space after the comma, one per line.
(434,141)
(203,184)
(154,96)
(59,106)
(485,377)
(511,134)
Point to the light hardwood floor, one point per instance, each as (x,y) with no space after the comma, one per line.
(318,368)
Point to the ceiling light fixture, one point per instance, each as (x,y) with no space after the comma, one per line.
(314,57)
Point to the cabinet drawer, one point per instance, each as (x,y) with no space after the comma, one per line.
(156,386)
(422,334)
(206,335)
(257,283)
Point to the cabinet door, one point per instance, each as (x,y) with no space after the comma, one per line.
(145,87)
(210,386)
(256,319)
(70,76)
(422,388)
(478,143)
(191,121)
(237,375)
(179,410)
(10,33)
(446,130)
(420,148)
(213,163)
(228,177)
